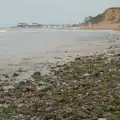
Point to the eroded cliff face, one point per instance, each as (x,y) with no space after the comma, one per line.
(110,19)
(112,15)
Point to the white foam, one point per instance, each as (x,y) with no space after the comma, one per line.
(27,31)
(61,30)
(3,31)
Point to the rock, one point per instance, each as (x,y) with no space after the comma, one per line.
(21,70)
(33,109)
(78,59)
(86,75)
(24,110)
(97,74)
(1,89)
(35,118)
(2,101)
(15,75)
(18,117)
(27,117)
(36,75)
(20,85)
(29,82)
(5,75)
(2,94)
(18,94)
(118,54)
(6,81)
(51,108)
(102,119)
(1,81)
(6,84)
(112,84)
(7,88)
(29,89)
(7,100)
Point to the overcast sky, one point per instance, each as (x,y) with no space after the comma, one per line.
(51,11)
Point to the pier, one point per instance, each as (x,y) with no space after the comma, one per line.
(37,25)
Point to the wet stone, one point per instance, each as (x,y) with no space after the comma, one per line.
(36,75)
(18,94)
(15,75)
(24,110)
(6,76)
(20,85)
(102,119)
(2,101)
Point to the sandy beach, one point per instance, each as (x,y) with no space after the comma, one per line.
(102,26)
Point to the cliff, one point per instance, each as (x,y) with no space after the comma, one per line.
(112,15)
(109,19)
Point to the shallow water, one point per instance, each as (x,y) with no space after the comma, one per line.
(27,48)
(37,42)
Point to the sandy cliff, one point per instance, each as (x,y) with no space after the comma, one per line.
(110,19)
(112,15)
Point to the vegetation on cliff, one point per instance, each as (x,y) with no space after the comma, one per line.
(94,20)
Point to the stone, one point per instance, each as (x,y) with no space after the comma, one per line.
(2,101)
(5,75)
(102,119)
(1,89)
(20,85)
(18,117)
(36,75)
(97,74)
(112,84)
(29,89)
(86,74)
(24,110)
(82,114)
(1,94)
(50,108)
(6,84)
(21,70)
(18,94)
(15,75)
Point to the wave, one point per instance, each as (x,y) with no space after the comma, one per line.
(62,30)
(30,31)
(3,31)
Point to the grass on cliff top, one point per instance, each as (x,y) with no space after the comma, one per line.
(114,8)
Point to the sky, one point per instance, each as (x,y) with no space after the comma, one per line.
(51,11)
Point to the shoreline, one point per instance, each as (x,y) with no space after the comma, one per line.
(113,29)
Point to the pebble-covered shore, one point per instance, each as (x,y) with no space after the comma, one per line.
(87,88)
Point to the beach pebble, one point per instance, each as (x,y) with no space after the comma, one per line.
(15,74)
(36,75)
(102,119)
